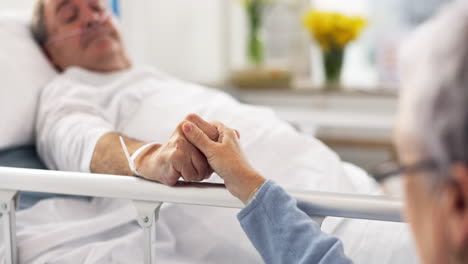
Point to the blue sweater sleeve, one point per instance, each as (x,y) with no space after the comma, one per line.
(282,233)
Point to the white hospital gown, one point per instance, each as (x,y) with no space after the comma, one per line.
(79,107)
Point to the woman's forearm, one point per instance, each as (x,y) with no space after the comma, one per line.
(245,186)
(282,233)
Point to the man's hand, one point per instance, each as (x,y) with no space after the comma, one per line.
(178,157)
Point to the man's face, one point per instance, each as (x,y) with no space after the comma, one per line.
(83,33)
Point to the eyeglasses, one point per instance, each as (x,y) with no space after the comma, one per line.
(389,175)
(389,170)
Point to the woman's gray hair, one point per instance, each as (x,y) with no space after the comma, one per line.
(434,105)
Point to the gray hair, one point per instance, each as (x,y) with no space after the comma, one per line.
(38,23)
(434,105)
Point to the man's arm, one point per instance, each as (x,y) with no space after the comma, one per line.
(74,135)
(165,163)
(108,156)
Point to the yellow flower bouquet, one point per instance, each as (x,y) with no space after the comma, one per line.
(333,32)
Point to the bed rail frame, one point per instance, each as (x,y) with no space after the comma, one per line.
(149,196)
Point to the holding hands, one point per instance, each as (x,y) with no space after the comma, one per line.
(178,157)
(226,158)
(197,149)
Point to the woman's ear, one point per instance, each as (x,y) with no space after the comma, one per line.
(456,206)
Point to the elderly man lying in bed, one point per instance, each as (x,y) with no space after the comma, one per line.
(104,115)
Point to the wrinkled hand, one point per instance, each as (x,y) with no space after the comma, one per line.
(178,157)
(226,158)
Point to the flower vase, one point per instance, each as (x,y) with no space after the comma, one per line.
(255,44)
(333,64)
(255,48)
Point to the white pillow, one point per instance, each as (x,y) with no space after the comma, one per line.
(24,71)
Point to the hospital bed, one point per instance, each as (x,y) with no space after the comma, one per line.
(32,181)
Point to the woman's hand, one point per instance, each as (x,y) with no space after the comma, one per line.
(226,159)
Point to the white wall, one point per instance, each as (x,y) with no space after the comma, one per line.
(360,7)
(16,4)
(182,37)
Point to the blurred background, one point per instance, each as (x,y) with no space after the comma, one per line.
(284,54)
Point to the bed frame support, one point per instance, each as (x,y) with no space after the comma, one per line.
(8,202)
(148,214)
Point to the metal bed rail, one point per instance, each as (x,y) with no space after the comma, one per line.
(149,196)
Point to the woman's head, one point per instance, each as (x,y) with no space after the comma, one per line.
(433,127)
